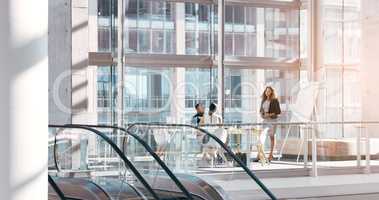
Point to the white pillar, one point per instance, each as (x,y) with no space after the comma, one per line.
(369,63)
(178,75)
(221,56)
(24,99)
(260,32)
(249,93)
(120,64)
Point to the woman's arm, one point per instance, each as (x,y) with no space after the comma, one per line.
(276,109)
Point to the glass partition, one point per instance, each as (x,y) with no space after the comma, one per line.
(85,156)
(187,151)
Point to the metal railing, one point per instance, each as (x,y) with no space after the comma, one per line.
(219,142)
(311,130)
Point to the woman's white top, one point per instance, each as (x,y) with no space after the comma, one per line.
(266,106)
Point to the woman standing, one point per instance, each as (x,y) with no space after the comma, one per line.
(270,110)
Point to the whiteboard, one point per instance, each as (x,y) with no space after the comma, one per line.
(302,109)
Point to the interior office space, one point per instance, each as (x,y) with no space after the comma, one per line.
(117,85)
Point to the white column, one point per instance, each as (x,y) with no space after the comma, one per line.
(82,76)
(178,76)
(369,63)
(24,99)
(220,59)
(260,77)
(260,32)
(120,64)
(249,93)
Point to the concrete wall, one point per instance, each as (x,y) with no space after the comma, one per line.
(72,82)
(59,61)
(370,62)
(83,76)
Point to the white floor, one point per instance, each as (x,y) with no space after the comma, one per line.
(324,187)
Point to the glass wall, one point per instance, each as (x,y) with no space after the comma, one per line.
(147,94)
(106,25)
(150,27)
(106,93)
(199,26)
(340,70)
(171,52)
(161,93)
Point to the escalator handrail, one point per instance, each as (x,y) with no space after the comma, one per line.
(151,152)
(226,148)
(117,150)
(56,188)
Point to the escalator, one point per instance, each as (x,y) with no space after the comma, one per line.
(144,157)
(79,176)
(156,172)
(201,153)
(73,151)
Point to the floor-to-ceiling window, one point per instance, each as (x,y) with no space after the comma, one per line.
(171,56)
(339,72)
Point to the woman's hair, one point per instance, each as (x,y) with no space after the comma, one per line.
(273,95)
(212,108)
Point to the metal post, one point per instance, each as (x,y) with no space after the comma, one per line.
(359,156)
(120,67)
(314,152)
(120,63)
(220,60)
(367,169)
(305,146)
(249,134)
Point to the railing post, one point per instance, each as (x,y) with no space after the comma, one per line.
(305,145)
(249,132)
(359,156)
(314,152)
(367,169)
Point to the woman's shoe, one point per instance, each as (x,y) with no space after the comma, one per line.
(270,158)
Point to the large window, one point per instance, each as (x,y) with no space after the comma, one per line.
(106,81)
(171,57)
(150,27)
(147,94)
(106,29)
(341,40)
(201,87)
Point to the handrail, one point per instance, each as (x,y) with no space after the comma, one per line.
(286,123)
(117,150)
(230,152)
(56,188)
(151,152)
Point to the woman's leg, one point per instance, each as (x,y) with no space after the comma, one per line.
(272,140)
